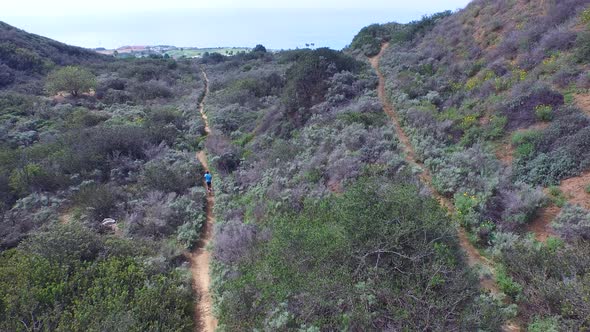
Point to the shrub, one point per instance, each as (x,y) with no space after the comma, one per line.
(546,169)
(544,112)
(521,204)
(548,324)
(65,244)
(521,111)
(306,79)
(556,40)
(288,267)
(507,284)
(25,215)
(235,241)
(30,178)
(585,16)
(70,79)
(573,223)
(144,69)
(564,77)
(19,58)
(83,118)
(582,50)
(151,90)
(7,76)
(190,211)
(72,280)
(172,172)
(546,288)
(99,201)
(158,215)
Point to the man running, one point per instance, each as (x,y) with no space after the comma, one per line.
(208,180)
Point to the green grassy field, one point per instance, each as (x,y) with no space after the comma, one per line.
(198,52)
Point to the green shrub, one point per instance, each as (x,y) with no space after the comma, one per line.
(547,324)
(525,136)
(557,196)
(544,112)
(83,118)
(97,200)
(367,119)
(496,127)
(587,188)
(70,79)
(524,150)
(374,239)
(507,284)
(30,178)
(585,16)
(104,292)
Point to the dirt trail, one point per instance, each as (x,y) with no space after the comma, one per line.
(473,256)
(200,257)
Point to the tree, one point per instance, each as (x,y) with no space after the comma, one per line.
(259,48)
(72,79)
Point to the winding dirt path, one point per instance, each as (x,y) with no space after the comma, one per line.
(200,257)
(473,256)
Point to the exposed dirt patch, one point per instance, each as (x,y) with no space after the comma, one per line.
(505,153)
(575,189)
(334,186)
(200,257)
(66,217)
(583,102)
(541,225)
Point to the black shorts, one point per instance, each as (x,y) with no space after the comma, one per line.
(208,184)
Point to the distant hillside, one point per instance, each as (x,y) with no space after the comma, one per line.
(24,55)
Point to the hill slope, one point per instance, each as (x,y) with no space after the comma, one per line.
(492,97)
(24,55)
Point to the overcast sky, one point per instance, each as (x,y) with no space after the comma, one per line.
(276,24)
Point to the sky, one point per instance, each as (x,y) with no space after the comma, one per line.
(275,24)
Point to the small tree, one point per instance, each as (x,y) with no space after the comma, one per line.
(259,48)
(72,79)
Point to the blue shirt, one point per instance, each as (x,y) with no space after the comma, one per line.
(208,177)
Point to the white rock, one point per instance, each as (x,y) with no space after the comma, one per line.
(108,221)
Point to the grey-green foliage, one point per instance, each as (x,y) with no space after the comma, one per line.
(573,223)
(171,171)
(189,210)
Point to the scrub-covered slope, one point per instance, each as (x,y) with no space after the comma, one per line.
(493,100)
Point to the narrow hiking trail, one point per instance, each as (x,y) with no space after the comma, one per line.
(200,257)
(473,256)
